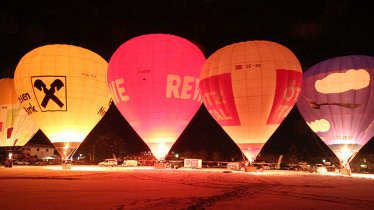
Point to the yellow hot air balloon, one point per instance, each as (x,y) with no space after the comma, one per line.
(249,88)
(64,89)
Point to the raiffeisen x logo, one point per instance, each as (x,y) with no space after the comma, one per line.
(50,92)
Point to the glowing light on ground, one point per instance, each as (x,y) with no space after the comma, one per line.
(213,170)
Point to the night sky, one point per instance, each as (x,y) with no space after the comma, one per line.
(313,30)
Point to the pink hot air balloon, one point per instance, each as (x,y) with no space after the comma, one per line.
(154,83)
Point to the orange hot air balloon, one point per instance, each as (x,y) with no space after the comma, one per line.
(249,88)
(64,90)
(16,127)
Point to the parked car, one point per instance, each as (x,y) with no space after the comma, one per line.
(130,163)
(174,164)
(22,162)
(318,168)
(236,166)
(109,162)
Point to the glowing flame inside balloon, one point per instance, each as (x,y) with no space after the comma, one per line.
(159,150)
(345,153)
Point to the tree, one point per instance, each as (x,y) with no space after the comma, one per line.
(202,154)
(293,154)
(187,154)
(305,154)
(109,144)
(216,156)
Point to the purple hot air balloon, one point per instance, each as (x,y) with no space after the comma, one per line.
(337,102)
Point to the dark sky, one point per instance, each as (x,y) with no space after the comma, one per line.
(313,30)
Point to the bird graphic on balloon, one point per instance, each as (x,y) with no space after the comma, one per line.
(316,105)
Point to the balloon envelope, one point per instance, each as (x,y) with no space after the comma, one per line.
(249,88)
(337,103)
(154,83)
(16,127)
(64,89)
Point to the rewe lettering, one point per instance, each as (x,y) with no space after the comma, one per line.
(118,91)
(183,87)
(289,98)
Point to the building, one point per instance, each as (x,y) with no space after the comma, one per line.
(363,163)
(38,151)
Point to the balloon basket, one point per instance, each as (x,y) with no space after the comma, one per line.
(250,169)
(345,171)
(66,166)
(159,165)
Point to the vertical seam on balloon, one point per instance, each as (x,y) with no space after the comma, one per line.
(217,73)
(209,71)
(340,95)
(180,51)
(69,73)
(370,64)
(367,139)
(331,108)
(313,93)
(39,72)
(281,50)
(271,47)
(233,48)
(341,111)
(359,122)
(330,112)
(255,43)
(246,78)
(356,146)
(357,143)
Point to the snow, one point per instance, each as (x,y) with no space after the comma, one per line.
(92,187)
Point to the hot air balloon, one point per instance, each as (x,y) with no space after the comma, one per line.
(64,90)
(154,84)
(337,103)
(16,127)
(249,88)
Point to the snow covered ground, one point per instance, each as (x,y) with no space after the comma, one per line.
(91,187)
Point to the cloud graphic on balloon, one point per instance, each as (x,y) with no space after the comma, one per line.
(341,82)
(321,125)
